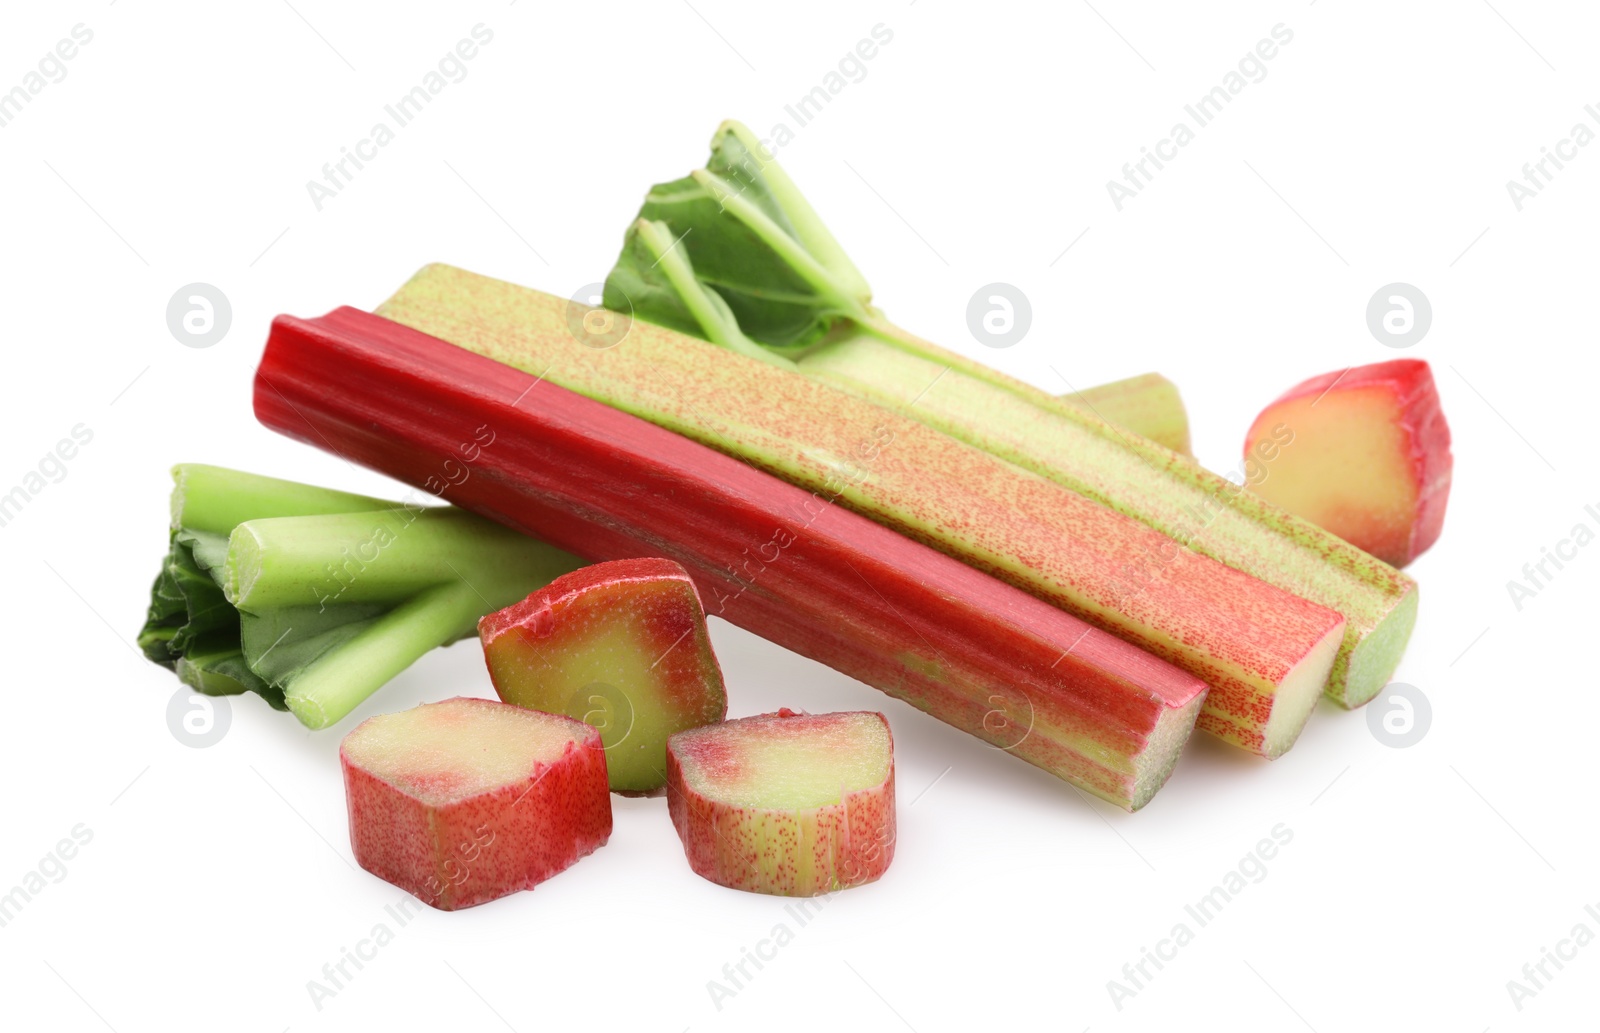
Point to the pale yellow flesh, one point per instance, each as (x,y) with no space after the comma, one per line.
(1348,469)
(459,748)
(605,683)
(1297,697)
(789,767)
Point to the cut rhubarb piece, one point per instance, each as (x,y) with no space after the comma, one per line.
(733,253)
(785,803)
(1265,652)
(1363,453)
(621,646)
(1148,405)
(467,800)
(775,559)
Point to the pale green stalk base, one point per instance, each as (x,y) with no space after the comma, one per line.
(449,568)
(336,684)
(315,598)
(215,499)
(377,556)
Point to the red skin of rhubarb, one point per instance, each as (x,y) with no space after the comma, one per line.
(485,846)
(775,559)
(1425,444)
(666,623)
(850,842)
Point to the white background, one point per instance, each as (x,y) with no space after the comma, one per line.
(219,880)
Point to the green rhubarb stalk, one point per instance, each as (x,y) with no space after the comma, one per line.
(1148,404)
(313,598)
(438,570)
(327,689)
(216,499)
(371,557)
(734,254)
(190,624)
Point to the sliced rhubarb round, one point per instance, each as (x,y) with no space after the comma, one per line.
(1363,453)
(467,800)
(785,803)
(620,645)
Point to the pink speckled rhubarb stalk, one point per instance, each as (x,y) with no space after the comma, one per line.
(786,803)
(467,800)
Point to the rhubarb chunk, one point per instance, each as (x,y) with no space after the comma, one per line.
(1363,453)
(468,800)
(785,803)
(620,645)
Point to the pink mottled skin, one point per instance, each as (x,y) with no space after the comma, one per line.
(453,851)
(1424,437)
(794,852)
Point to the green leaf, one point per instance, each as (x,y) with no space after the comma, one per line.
(282,642)
(741,237)
(640,286)
(659,274)
(737,156)
(164,617)
(186,601)
(215,666)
